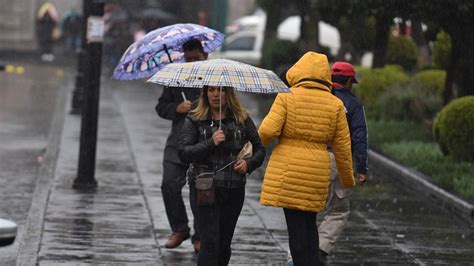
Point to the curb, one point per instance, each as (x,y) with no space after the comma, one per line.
(31,238)
(415,181)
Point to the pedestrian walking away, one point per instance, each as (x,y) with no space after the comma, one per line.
(336,212)
(46,26)
(71,28)
(174,104)
(297,176)
(213,136)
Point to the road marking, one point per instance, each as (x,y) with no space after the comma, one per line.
(12,69)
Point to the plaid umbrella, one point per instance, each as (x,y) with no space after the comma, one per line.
(220,73)
(163,46)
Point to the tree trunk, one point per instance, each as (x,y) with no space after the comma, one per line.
(382,33)
(421,43)
(273,19)
(451,71)
(465,69)
(309,31)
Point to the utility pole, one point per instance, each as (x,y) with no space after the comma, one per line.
(94,11)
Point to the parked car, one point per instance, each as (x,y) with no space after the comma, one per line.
(245,37)
(8,230)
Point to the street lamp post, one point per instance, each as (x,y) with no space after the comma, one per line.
(77,94)
(90,109)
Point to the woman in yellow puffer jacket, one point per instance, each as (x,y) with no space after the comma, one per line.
(305,122)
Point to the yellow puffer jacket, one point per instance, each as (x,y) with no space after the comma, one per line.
(305,122)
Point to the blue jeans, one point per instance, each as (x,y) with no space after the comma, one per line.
(217,224)
(303,237)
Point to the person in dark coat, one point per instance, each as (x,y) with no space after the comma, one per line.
(336,210)
(45,24)
(71,30)
(174,104)
(211,141)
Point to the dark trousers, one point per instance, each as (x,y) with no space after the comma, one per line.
(303,237)
(217,224)
(174,179)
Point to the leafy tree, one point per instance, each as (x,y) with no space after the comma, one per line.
(455,17)
(355,26)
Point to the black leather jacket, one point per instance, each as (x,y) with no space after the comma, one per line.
(195,146)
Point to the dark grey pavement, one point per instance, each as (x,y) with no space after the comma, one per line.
(123,221)
(28,101)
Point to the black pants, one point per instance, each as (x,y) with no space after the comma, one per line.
(303,237)
(174,179)
(217,224)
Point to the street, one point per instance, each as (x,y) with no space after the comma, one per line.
(124,222)
(27,105)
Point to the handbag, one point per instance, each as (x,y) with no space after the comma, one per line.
(205,191)
(246,151)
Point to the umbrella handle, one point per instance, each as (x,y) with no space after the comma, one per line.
(167,52)
(220,106)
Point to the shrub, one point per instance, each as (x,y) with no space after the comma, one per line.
(395,104)
(361,71)
(402,51)
(409,102)
(454,128)
(431,80)
(278,54)
(442,50)
(375,82)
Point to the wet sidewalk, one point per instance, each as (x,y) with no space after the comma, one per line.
(124,222)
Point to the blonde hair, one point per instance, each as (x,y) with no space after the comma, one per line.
(202,110)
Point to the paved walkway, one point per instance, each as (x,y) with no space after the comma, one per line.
(124,222)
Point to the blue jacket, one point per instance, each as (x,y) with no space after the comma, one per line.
(357,126)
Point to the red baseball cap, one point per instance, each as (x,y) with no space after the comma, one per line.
(343,69)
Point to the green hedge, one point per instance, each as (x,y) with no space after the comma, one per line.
(431,80)
(375,82)
(454,129)
(402,51)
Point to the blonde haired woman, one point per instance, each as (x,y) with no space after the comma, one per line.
(305,122)
(212,136)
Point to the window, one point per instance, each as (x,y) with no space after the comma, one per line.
(241,44)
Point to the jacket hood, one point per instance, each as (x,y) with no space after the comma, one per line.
(311,71)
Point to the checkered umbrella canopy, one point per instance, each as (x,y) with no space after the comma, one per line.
(220,72)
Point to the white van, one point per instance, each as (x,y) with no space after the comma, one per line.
(245,37)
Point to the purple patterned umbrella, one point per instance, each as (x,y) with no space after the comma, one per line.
(163,46)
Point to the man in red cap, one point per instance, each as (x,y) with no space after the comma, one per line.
(336,211)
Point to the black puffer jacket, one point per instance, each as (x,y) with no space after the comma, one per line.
(195,145)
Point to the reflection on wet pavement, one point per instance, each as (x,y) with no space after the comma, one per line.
(108,225)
